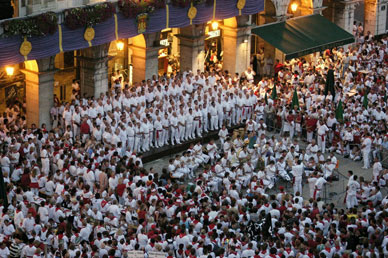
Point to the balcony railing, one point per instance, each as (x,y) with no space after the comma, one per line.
(40,6)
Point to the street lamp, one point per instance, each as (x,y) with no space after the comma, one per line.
(9,70)
(294,7)
(214,25)
(120,45)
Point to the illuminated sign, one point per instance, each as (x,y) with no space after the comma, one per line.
(214,33)
(164,42)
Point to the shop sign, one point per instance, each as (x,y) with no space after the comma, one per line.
(164,42)
(214,33)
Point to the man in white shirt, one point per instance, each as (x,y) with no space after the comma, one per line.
(351,192)
(366,149)
(377,168)
(321,181)
(297,172)
(322,132)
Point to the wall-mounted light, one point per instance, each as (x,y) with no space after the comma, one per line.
(120,45)
(294,7)
(9,70)
(215,25)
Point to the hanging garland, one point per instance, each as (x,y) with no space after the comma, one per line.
(132,8)
(40,25)
(85,17)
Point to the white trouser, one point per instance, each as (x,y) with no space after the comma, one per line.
(351,201)
(136,146)
(76,131)
(196,129)
(165,135)
(322,143)
(245,113)
(146,142)
(182,131)
(234,116)
(292,132)
(130,142)
(159,140)
(151,139)
(222,141)
(309,136)
(189,129)
(365,157)
(205,124)
(220,120)
(45,166)
(213,122)
(297,185)
(174,135)
(228,118)
(238,115)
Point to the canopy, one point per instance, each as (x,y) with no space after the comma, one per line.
(303,35)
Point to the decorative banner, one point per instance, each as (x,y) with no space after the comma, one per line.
(240,6)
(60,38)
(214,10)
(25,48)
(89,35)
(192,13)
(116,27)
(142,22)
(167,17)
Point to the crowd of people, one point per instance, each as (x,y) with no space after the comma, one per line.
(80,188)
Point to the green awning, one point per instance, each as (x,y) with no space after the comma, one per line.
(303,35)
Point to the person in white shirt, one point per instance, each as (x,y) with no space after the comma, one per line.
(223,133)
(351,191)
(377,168)
(297,172)
(366,150)
(322,134)
(319,184)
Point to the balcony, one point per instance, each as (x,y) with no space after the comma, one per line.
(40,6)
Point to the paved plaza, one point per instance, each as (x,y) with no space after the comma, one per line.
(335,191)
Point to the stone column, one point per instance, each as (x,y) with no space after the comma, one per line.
(145,52)
(145,62)
(93,62)
(308,7)
(344,15)
(39,90)
(192,48)
(237,44)
(375,16)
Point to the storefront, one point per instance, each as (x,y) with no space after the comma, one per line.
(118,61)
(213,45)
(168,56)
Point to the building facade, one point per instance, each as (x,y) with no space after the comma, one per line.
(204,43)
